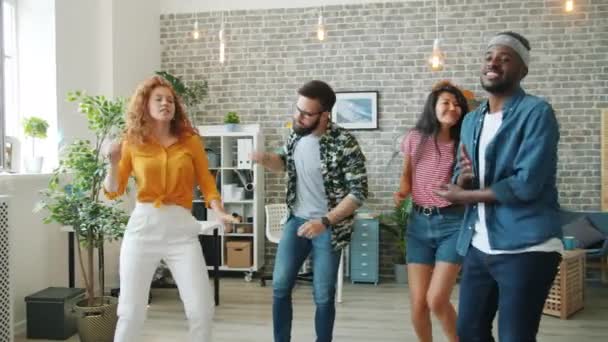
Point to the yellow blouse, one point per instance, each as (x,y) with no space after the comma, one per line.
(166,175)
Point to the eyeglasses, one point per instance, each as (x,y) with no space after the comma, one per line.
(296,109)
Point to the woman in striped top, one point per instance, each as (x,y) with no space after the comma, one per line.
(433,263)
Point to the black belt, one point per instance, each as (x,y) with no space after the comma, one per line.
(428,211)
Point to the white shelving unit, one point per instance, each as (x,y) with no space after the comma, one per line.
(230,173)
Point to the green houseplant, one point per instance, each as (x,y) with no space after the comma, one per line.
(34,128)
(395,223)
(73,198)
(231,120)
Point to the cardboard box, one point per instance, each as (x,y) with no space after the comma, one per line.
(239,254)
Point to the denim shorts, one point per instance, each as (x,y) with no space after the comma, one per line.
(432,238)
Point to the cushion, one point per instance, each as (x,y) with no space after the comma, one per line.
(599,221)
(584,232)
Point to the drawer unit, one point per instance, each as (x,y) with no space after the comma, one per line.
(364,251)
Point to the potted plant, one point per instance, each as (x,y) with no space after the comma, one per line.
(34,128)
(395,224)
(231,120)
(73,198)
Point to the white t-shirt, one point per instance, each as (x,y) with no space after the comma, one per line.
(491,124)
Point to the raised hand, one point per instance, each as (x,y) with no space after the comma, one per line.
(258,157)
(311,229)
(453,193)
(399,197)
(114,153)
(466,168)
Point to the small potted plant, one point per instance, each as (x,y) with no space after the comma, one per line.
(34,128)
(231,120)
(395,224)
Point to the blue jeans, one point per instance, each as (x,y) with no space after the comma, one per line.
(433,238)
(515,285)
(291,253)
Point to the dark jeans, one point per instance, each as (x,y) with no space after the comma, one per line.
(291,253)
(515,285)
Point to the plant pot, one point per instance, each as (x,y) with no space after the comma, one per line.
(96,323)
(33,165)
(232,127)
(400,273)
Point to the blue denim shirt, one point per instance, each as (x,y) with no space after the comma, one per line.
(521,167)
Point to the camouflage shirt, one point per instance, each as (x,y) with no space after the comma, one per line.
(343,169)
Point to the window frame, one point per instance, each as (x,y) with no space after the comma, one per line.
(8,55)
(2,109)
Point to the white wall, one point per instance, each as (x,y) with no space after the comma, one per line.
(103,47)
(38,252)
(136,43)
(189,6)
(84,58)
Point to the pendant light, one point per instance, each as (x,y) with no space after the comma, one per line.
(196,33)
(321,29)
(222,38)
(569,6)
(437,59)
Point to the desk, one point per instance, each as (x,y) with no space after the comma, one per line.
(207,228)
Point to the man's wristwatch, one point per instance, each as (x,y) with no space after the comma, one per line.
(325,221)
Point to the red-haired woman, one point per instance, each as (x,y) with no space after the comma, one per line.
(166,155)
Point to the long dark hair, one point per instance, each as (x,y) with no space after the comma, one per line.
(427,123)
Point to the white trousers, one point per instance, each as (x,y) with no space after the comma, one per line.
(170,233)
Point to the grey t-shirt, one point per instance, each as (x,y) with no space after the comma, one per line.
(311,201)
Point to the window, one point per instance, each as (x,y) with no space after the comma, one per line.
(9,120)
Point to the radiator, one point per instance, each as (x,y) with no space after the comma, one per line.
(6,321)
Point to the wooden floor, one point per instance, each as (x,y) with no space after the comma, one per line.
(368,313)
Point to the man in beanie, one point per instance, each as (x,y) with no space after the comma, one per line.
(506,177)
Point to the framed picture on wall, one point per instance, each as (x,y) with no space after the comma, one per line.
(356,110)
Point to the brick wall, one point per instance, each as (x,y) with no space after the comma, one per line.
(383,47)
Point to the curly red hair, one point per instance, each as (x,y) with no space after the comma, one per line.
(138,118)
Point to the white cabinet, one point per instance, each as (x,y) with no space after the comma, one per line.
(241,184)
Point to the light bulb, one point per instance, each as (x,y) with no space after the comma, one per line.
(437,59)
(222,52)
(569,5)
(321,30)
(196,33)
(221,35)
